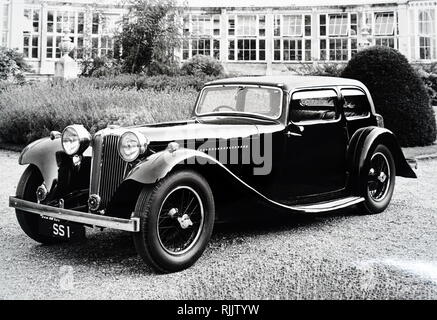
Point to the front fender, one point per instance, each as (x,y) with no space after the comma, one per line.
(364,140)
(42,154)
(158,165)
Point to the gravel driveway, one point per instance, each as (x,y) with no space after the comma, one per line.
(347,256)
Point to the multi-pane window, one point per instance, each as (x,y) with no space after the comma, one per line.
(201,34)
(60,23)
(31,34)
(292,38)
(384,29)
(246,35)
(4,24)
(338,36)
(103,27)
(426,34)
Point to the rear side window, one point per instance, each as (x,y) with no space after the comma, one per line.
(356,104)
(317,105)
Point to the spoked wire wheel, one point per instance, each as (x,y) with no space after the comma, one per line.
(176,221)
(379,177)
(180,220)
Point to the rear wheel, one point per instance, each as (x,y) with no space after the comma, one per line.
(177,218)
(30,180)
(379,181)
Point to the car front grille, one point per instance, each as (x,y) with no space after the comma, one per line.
(108,168)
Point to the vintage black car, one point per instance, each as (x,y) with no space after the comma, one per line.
(297,144)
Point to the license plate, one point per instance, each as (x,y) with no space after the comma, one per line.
(53,227)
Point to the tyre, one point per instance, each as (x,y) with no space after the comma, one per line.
(30,180)
(176,221)
(378,180)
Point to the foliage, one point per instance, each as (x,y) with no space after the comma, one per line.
(150,33)
(201,65)
(317,69)
(428,74)
(12,65)
(31,111)
(398,93)
(100,67)
(139,82)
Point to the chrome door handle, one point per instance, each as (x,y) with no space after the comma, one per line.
(293,134)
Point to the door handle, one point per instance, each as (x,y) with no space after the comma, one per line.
(293,134)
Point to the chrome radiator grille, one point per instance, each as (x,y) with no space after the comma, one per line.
(108,169)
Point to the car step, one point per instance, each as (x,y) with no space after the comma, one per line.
(328,205)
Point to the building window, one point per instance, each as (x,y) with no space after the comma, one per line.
(426,35)
(247,42)
(201,34)
(60,23)
(338,36)
(106,46)
(292,42)
(4,24)
(31,36)
(384,29)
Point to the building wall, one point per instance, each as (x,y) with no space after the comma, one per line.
(248,40)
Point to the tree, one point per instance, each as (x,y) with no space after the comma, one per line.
(150,33)
(12,65)
(398,93)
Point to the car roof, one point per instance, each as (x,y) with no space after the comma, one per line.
(289,82)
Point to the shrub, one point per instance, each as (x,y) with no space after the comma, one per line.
(428,74)
(31,111)
(201,65)
(100,67)
(12,65)
(318,69)
(398,93)
(159,83)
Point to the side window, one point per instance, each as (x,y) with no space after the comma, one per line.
(316,105)
(356,104)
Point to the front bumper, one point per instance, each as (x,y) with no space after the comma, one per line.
(131,225)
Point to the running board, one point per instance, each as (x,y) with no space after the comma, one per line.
(326,206)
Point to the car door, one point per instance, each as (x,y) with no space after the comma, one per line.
(316,142)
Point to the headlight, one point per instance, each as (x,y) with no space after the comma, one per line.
(131,145)
(75,139)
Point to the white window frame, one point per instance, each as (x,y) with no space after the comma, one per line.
(252,34)
(66,16)
(4,23)
(344,34)
(298,37)
(33,35)
(428,35)
(211,33)
(384,38)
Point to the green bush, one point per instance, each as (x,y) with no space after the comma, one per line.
(159,83)
(398,93)
(31,111)
(428,74)
(12,65)
(201,65)
(318,69)
(100,67)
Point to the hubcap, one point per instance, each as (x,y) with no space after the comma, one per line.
(378,182)
(180,220)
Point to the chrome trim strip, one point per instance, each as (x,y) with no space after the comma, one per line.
(330,205)
(131,225)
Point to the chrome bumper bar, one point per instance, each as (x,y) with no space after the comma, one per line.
(131,225)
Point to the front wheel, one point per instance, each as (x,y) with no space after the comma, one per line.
(26,190)
(177,219)
(379,180)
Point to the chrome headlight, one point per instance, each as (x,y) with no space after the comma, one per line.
(131,145)
(75,139)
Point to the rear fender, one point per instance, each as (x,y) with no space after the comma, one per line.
(362,144)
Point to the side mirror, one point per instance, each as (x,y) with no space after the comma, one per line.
(294,130)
